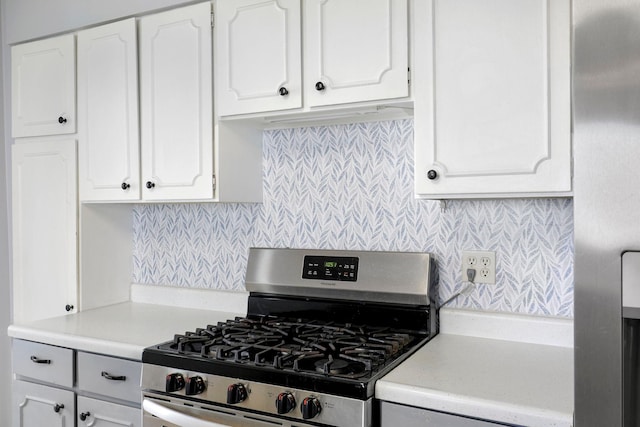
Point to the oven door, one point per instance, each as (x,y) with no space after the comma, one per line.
(164,411)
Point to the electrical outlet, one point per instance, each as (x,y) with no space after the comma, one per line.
(483,263)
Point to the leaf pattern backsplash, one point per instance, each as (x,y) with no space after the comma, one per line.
(351,187)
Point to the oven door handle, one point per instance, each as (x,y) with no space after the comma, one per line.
(175,417)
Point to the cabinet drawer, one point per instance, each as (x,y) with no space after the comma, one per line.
(43,362)
(109,376)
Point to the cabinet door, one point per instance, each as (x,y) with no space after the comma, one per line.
(43,97)
(258,63)
(355,50)
(108,141)
(98,413)
(495,116)
(44,201)
(37,405)
(176,104)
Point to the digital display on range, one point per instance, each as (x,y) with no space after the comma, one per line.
(330,268)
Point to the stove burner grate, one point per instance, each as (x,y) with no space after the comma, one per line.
(328,348)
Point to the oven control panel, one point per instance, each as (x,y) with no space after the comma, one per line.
(330,268)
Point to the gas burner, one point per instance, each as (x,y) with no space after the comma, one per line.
(332,367)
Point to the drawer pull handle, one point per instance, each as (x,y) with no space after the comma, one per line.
(58,407)
(113,378)
(84,416)
(34,359)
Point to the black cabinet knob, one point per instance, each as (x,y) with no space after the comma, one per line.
(432,174)
(310,407)
(236,393)
(62,120)
(320,86)
(68,307)
(58,407)
(84,416)
(125,186)
(285,403)
(150,184)
(283,91)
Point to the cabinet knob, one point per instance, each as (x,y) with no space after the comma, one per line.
(62,120)
(125,186)
(57,407)
(150,184)
(84,416)
(320,86)
(432,174)
(68,307)
(283,91)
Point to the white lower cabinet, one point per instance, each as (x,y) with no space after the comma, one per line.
(62,387)
(393,414)
(99,413)
(36,405)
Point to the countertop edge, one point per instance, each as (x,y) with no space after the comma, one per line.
(80,343)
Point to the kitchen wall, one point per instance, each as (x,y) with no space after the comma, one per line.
(351,187)
(5,297)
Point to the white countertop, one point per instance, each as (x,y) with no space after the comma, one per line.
(490,366)
(522,383)
(121,330)
(154,315)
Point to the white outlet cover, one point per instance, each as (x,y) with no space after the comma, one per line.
(484,264)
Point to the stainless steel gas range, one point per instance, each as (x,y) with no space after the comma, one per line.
(321,328)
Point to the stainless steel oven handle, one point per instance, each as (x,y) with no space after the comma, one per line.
(175,417)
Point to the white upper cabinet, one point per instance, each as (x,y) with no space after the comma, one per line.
(109,146)
(45,248)
(492,107)
(259,56)
(346,51)
(176,104)
(43,97)
(355,50)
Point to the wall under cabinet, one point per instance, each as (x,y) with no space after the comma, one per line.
(351,187)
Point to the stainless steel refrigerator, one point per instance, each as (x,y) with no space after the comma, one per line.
(606,144)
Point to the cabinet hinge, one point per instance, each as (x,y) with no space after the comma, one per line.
(409,75)
(214,181)
(212,20)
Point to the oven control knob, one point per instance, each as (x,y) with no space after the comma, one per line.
(310,407)
(285,403)
(195,385)
(236,393)
(175,382)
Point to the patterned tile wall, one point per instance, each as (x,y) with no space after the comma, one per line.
(351,187)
